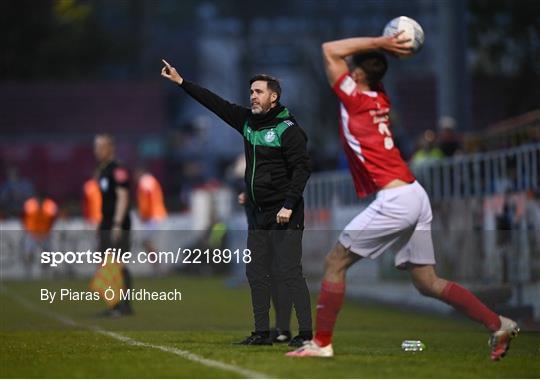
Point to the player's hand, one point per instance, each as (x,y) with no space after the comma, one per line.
(242,198)
(395,45)
(283,216)
(170,73)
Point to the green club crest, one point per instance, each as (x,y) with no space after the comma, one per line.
(270,136)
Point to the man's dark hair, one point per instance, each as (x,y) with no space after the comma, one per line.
(271,82)
(374,65)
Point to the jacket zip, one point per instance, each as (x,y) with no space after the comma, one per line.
(254,164)
(253,173)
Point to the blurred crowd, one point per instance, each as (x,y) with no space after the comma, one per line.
(435,145)
(188,164)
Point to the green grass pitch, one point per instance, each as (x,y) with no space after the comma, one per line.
(37,339)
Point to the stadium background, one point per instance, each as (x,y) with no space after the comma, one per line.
(70,69)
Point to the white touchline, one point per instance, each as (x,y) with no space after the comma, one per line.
(132,342)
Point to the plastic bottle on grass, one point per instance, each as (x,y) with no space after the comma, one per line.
(413,345)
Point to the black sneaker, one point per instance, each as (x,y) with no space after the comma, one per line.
(279,336)
(125,308)
(256,339)
(298,341)
(109,313)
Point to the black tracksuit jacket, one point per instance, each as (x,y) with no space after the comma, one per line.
(277,162)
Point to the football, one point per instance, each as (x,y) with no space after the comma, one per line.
(411,30)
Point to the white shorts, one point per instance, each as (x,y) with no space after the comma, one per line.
(399,220)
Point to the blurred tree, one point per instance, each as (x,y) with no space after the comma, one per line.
(505,40)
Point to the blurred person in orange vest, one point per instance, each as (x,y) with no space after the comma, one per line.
(39,215)
(151,207)
(92,202)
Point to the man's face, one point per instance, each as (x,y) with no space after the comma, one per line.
(358,75)
(103,149)
(262,98)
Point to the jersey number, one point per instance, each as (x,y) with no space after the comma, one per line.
(380,117)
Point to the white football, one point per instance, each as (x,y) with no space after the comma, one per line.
(411,30)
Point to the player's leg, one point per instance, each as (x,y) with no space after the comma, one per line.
(338,260)
(419,258)
(124,244)
(331,297)
(378,227)
(429,284)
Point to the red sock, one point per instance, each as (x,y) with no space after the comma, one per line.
(466,302)
(328,306)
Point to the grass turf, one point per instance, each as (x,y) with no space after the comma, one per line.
(211,317)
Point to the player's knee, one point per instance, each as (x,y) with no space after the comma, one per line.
(328,262)
(425,287)
(336,260)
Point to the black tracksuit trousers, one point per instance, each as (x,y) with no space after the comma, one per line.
(276,254)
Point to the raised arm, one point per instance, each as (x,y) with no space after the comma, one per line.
(335,52)
(230,113)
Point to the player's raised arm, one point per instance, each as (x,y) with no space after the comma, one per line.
(335,52)
(232,114)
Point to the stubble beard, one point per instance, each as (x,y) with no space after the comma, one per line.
(259,109)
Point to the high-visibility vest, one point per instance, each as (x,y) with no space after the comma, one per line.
(38,218)
(150,199)
(92,201)
(217,233)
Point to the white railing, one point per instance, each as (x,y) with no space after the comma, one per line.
(460,177)
(482,174)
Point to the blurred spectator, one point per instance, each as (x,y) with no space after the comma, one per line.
(149,197)
(151,207)
(14,192)
(238,221)
(38,217)
(449,139)
(428,151)
(214,238)
(92,202)
(235,174)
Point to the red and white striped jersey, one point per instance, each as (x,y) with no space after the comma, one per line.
(373,158)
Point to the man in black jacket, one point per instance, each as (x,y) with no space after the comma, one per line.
(277,170)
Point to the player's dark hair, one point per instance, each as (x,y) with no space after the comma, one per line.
(271,82)
(374,65)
